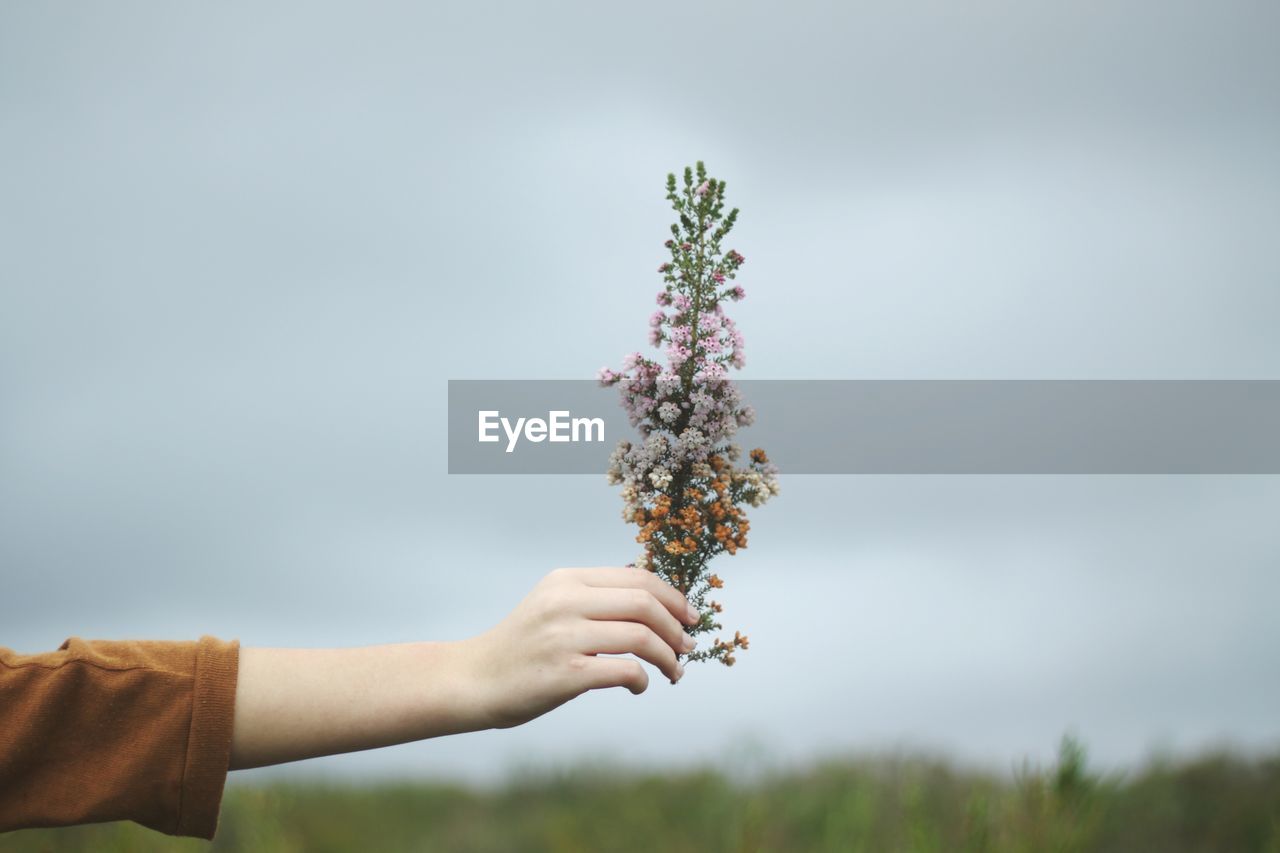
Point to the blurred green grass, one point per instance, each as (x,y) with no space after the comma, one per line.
(1217,802)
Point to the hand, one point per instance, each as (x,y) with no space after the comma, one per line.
(547,651)
(300,703)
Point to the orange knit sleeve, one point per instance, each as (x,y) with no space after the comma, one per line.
(105,730)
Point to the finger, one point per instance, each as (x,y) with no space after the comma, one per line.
(620,638)
(670,597)
(636,605)
(616,672)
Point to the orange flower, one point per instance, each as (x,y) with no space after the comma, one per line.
(714,582)
(726,650)
(757,455)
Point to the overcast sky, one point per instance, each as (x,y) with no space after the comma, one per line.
(243,248)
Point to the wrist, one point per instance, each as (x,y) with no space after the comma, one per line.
(456,697)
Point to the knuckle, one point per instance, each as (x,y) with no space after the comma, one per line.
(558,635)
(564,602)
(638,600)
(638,635)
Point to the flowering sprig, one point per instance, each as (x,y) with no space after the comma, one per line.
(681,485)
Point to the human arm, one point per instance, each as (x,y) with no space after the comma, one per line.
(293,704)
(146,730)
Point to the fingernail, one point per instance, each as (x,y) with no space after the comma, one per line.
(679,672)
(689,643)
(694,615)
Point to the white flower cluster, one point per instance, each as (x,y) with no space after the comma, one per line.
(757,485)
(648,470)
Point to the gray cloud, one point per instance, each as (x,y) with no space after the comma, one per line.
(242,251)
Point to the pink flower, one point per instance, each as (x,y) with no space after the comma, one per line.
(702,189)
(710,372)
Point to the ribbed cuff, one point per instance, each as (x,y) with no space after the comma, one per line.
(213,704)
